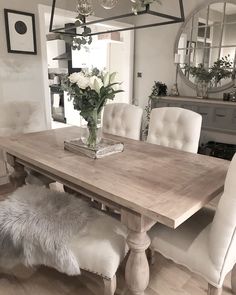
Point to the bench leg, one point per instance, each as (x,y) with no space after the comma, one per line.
(110,286)
(233,279)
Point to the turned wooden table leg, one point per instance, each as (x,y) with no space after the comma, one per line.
(233,280)
(137,267)
(17,178)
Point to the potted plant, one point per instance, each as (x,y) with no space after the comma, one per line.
(205,78)
(158,89)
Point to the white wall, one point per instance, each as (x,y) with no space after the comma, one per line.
(154,55)
(21,76)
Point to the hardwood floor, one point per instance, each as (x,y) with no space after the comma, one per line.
(167,278)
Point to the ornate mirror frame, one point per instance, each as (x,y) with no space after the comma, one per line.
(176,46)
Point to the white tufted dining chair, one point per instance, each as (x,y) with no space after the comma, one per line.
(176,128)
(123,119)
(206,243)
(18,117)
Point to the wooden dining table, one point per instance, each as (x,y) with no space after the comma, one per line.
(148,183)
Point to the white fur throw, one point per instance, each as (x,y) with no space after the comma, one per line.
(36,226)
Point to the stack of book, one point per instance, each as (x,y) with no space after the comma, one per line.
(105,148)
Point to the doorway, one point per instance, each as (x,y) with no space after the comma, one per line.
(115,56)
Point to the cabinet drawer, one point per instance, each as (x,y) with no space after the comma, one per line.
(158,104)
(162,104)
(222,118)
(190,107)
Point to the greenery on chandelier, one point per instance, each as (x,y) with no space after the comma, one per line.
(77,42)
(221,69)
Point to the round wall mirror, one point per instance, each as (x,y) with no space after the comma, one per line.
(207,35)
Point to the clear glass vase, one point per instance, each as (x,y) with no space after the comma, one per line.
(202,89)
(91,133)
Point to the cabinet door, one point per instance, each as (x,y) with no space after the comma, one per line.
(233,120)
(205,112)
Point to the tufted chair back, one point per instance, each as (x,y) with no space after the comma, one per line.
(176,128)
(17,118)
(222,236)
(20,117)
(122,119)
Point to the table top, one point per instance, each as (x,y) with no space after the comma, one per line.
(164,184)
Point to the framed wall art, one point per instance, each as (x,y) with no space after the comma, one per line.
(20,32)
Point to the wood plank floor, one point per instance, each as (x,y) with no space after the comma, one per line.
(167,278)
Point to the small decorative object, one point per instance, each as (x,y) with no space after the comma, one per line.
(139,5)
(85,7)
(105,147)
(108,4)
(90,90)
(174,90)
(20,32)
(205,78)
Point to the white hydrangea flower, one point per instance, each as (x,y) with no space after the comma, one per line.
(74,77)
(95,83)
(83,81)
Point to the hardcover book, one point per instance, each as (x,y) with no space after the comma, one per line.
(106,147)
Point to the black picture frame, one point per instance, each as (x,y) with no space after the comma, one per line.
(20,32)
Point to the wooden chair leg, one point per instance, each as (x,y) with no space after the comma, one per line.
(213,290)
(110,286)
(233,279)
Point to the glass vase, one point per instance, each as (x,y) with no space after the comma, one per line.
(91,130)
(202,89)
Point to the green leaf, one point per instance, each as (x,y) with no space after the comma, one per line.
(106,79)
(112,77)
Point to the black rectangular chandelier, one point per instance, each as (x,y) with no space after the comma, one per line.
(158,19)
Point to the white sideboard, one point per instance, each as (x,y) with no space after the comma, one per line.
(219,117)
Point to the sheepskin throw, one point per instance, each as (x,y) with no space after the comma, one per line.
(36,226)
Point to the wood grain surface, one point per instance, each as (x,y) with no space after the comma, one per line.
(164,184)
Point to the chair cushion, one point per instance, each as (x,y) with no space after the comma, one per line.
(188,244)
(101,247)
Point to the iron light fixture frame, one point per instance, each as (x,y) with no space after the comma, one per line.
(171,19)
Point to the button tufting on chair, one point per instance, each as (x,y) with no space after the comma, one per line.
(176,128)
(122,119)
